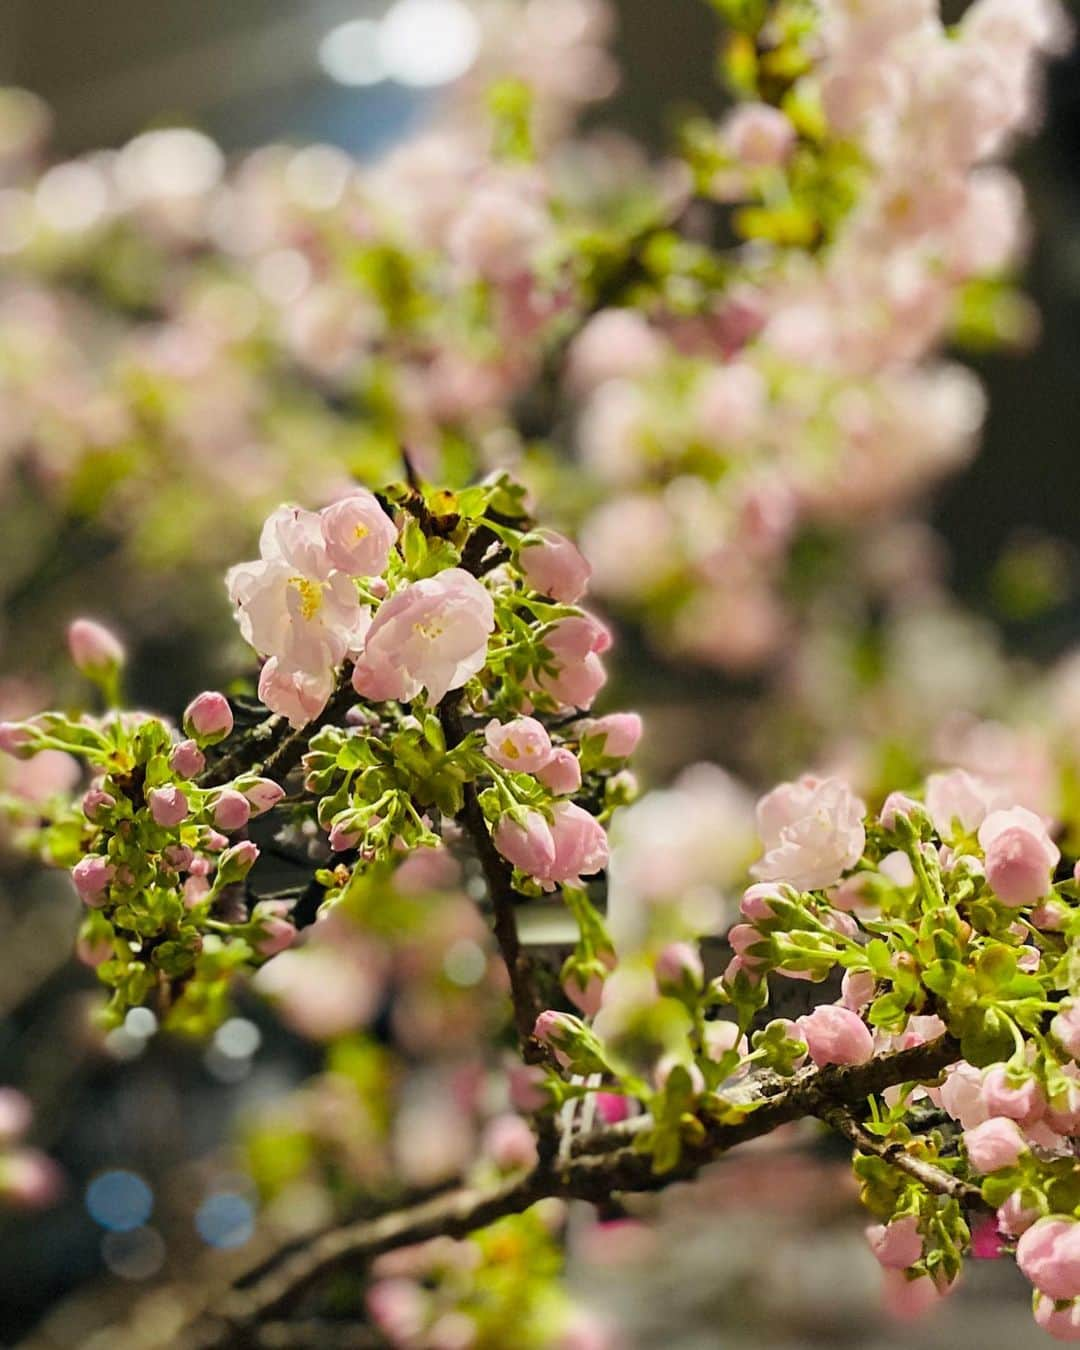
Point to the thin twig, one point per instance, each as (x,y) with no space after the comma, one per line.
(935,1179)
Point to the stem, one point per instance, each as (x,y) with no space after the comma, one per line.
(599,1165)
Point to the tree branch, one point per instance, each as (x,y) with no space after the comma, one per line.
(603,1164)
(935,1179)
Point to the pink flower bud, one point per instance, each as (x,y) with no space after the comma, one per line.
(92,876)
(755,902)
(398,1307)
(679,968)
(358,534)
(168,806)
(1024,1102)
(612,1108)
(961,1095)
(187,760)
(897,805)
(527,844)
(896,1245)
(96,802)
(857,989)
(522,745)
(178,856)
(835,1035)
(1051,916)
(275,932)
(621,733)
(509,1143)
(553,566)
(94,650)
(341,839)
(15,739)
(576,645)
(561,775)
(558,1030)
(1020,856)
(527,1091)
(1063,1323)
(994,1144)
(1049,1255)
(264,794)
(235,863)
(1066,1028)
(208,718)
(588,997)
(231,810)
(1013,1219)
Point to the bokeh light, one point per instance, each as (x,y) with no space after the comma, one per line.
(119,1200)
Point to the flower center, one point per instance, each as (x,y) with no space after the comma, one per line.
(361,531)
(509,749)
(428,629)
(311,596)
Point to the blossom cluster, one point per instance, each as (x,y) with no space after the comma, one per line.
(445,629)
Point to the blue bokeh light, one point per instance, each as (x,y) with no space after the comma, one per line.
(120,1201)
(225,1220)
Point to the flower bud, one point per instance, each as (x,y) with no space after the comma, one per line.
(526,842)
(522,745)
(620,732)
(208,718)
(561,775)
(92,876)
(178,856)
(274,931)
(679,969)
(835,1035)
(509,1143)
(96,803)
(231,810)
(16,739)
(896,1245)
(994,1144)
(187,760)
(95,651)
(168,806)
(236,862)
(264,794)
(553,566)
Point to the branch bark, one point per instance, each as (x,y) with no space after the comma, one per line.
(603,1164)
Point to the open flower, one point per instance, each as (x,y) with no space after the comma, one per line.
(812,831)
(431,635)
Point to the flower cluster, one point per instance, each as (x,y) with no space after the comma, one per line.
(446,631)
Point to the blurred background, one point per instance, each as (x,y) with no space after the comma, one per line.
(151,1115)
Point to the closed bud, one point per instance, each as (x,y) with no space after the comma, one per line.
(236,862)
(679,970)
(208,718)
(94,650)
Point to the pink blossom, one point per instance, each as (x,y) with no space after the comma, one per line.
(857,990)
(961,797)
(581,846)
(295,536)
(812,831)
(342,838)
(358,534)
(908,1300)
(962,1096)
(898,1244)
(522,744)
(208,717)
(621,732)
(759,135)
(528,843)
(994,1144)
(275,932)
(722,1036)
(231,810)
(297,695)
(1024,1103)
(895,805)
(576,644)
(44,776)
(168,806)
(1063,1324)
(14,738)
(679,966)
(1065,1028)
(509,1143)
(264,794)
(398,1307)
(755,904)
(586,997)
(553,566)
(178,856)
(612,1107)
(308,622)
(92,876)
(1049,1255)
(94,650)
(835,1035)
(187,760)
(431,635)
(1013,1219)
(561,775)
(1020,856)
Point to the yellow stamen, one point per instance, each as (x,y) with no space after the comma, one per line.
(311,596)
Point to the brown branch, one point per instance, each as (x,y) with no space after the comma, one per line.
(935,1179)
(499,876)
(604,1164)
